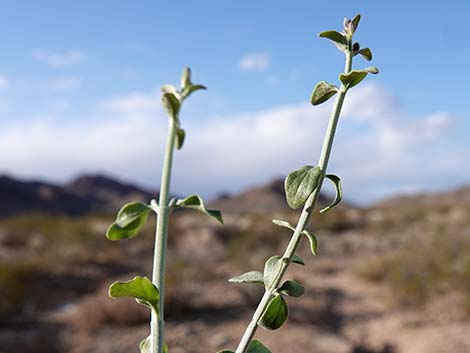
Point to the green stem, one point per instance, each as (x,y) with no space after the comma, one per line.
(159,259)
(304,217)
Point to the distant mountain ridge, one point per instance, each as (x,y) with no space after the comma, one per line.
(85,194)
(103,194)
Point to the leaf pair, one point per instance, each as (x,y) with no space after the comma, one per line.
(172,97)
(310,236)
(276,311)
(354,77)
(343,40)
(324,90)
(271,269)
(133,216)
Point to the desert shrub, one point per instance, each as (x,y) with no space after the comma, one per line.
(424,269)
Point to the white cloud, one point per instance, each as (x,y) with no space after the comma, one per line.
(65,83)
(379,149)
(255,62)
(62,59)
(133,104)
(4,82)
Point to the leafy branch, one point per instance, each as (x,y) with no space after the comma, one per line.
(133,216)
(302,189)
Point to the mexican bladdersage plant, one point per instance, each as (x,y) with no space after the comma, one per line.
(133,216)
(302,188)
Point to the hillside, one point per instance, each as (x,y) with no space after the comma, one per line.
(388,278)
(85,194)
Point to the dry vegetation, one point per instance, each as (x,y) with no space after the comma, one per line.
(388,279)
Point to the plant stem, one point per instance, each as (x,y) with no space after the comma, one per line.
(159,259)
(305,216)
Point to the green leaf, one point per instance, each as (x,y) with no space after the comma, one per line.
(271,269)
(249,277)
(186,78)
(145,346)
(284,224)
(129,220)
(355,22)
(196,202)
(180,135)
(171,104)
(339,39)
(322,92)
(140,288)
(353,77)
(257,347)
(254,347)
(190,89)
(366,53)
(298,260)
(275,314)
(312,239)
(300,184)
(339,192)
(292,288)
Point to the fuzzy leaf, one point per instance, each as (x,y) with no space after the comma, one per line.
(145,346)
(186,78)
(196,202)
(312,239)
(192,88)
(339,192)
(292,288)
(300,184)
(257,347)
(353,77)
(275,314)
(180,135)
(355,22)
(129,220)
(366,53)
(271,269)
(171,104)
(139,288)
(249,277)
(298,260)
(322,92)
(284,224)
(339,39)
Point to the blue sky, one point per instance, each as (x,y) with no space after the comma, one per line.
(79,80)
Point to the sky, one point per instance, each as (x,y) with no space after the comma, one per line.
(80,92)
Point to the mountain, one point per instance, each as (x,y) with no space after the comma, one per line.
(85,194)
(109,193)
(454,197)
(100,193)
